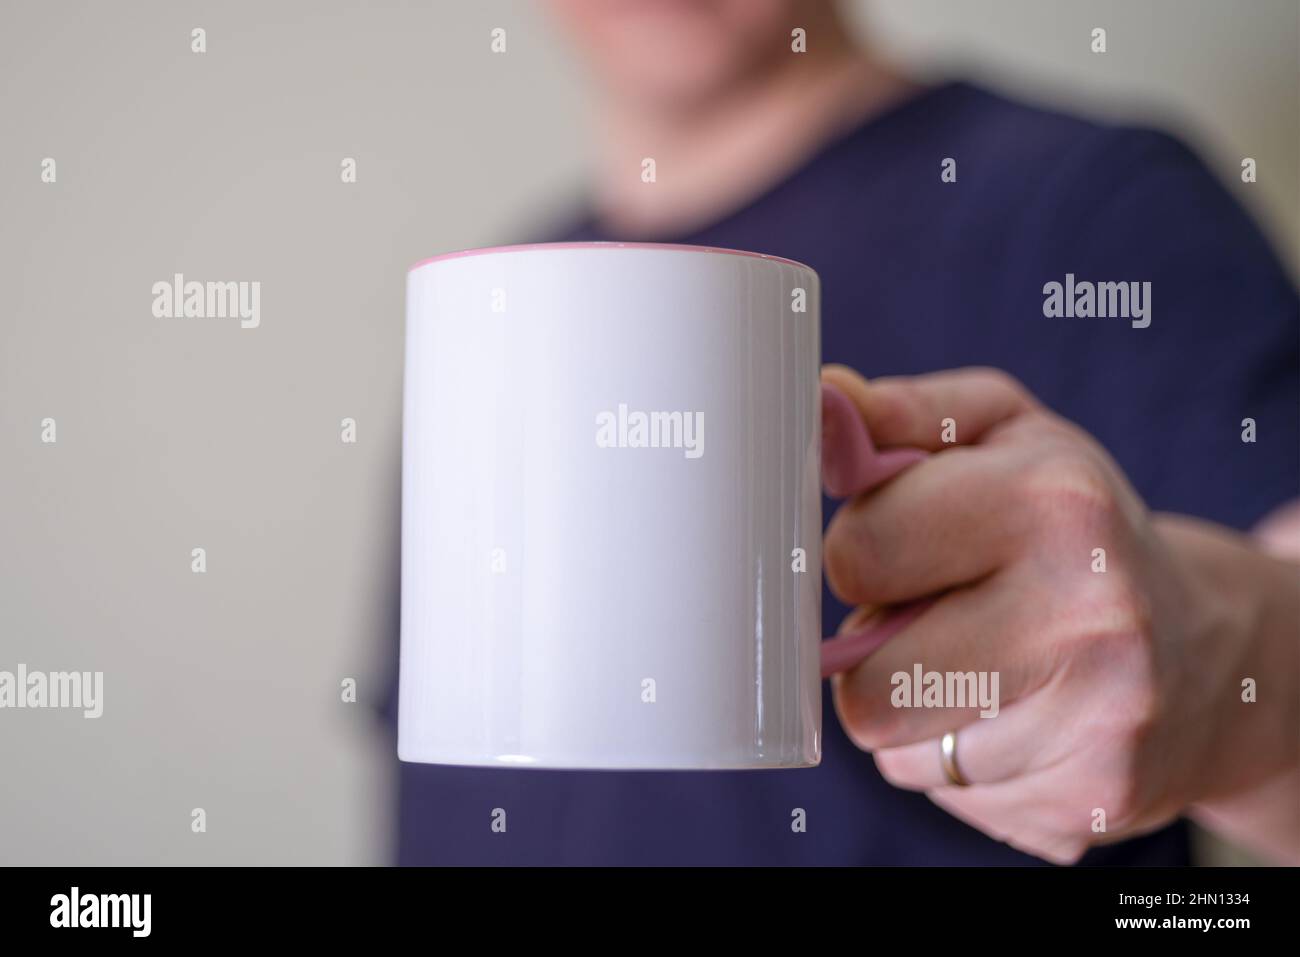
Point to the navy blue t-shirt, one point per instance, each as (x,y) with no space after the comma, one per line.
(917,275)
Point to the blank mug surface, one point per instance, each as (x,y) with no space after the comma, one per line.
(611,509)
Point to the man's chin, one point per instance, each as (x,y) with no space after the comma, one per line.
(660,91)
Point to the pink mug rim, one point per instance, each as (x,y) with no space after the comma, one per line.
(665,247)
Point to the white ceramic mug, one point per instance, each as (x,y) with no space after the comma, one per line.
(611,509)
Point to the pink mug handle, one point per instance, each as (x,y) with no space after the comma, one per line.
(859,467)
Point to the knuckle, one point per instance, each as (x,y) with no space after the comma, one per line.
(890,768)
(1001,380)
(838,566)
(1114,652)
(1068,487)
(1119,796)
(1115,620)
(895,414)
(1122,663)
(847,558)
(1135,718)
(1127,613)
(868,723)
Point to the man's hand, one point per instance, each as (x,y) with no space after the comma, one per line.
(1121,641)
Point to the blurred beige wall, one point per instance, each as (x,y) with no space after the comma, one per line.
(222,689)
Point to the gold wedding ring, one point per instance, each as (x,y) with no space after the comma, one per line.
(948,758)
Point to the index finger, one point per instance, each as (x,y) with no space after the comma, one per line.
(932,410)
(851,463)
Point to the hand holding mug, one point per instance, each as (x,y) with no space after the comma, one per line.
(1120,639)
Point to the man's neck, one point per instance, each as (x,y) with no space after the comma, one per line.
(713,160)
